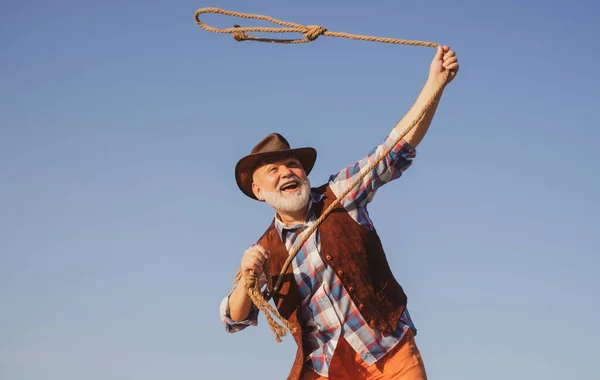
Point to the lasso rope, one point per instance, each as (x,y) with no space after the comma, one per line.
(311,33)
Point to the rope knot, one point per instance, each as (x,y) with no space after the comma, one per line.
(239,36)
(312,32)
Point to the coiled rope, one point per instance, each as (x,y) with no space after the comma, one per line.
(311,33)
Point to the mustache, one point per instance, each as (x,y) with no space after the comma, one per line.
(292,178)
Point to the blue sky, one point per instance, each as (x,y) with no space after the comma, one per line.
(122,226)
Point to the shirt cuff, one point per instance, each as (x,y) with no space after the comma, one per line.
(403,147)
(232,326)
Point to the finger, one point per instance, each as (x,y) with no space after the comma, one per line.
(265,252)
(449,61)
(254,264)
(450,53)
(259,259)
(439,54)
(262,253)
(446,48)
(259,267)
(453,66)
(259,248)
(253,258)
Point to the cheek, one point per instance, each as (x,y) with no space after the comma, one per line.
(270,183)
(299,173)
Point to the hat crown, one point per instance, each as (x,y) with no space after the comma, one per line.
(272,143)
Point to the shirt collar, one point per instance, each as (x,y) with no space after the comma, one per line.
(282,228)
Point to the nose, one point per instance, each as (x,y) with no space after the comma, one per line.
(285,171)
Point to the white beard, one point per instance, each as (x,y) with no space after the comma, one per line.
(289,202)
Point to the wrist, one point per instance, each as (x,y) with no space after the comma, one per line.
(435,81)
(242,281)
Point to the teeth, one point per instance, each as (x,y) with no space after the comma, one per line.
(287,185)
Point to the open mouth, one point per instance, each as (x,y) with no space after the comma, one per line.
(289,187)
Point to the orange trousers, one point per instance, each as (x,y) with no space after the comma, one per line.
(403,362)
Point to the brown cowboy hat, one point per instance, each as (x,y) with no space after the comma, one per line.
(272,146)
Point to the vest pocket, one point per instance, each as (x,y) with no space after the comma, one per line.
(381,293)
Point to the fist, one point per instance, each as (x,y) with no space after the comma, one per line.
(445,59)
(253,260)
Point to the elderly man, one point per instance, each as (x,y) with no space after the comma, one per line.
(349,310)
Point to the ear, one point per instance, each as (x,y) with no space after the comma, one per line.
(256,190)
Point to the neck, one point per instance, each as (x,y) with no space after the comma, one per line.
(293,218)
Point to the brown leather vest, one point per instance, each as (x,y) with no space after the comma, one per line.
(357,257)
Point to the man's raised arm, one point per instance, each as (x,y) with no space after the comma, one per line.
(445,59)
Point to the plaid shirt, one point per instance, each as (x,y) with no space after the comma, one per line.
(327,312)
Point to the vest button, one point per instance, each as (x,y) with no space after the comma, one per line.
(328,257)
(372,323)
(361,306)
(341,272)
(351,289)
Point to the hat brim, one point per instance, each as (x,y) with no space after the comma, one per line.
(245,167)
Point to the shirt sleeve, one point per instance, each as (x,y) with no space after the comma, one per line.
(399,159)
(232,326)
